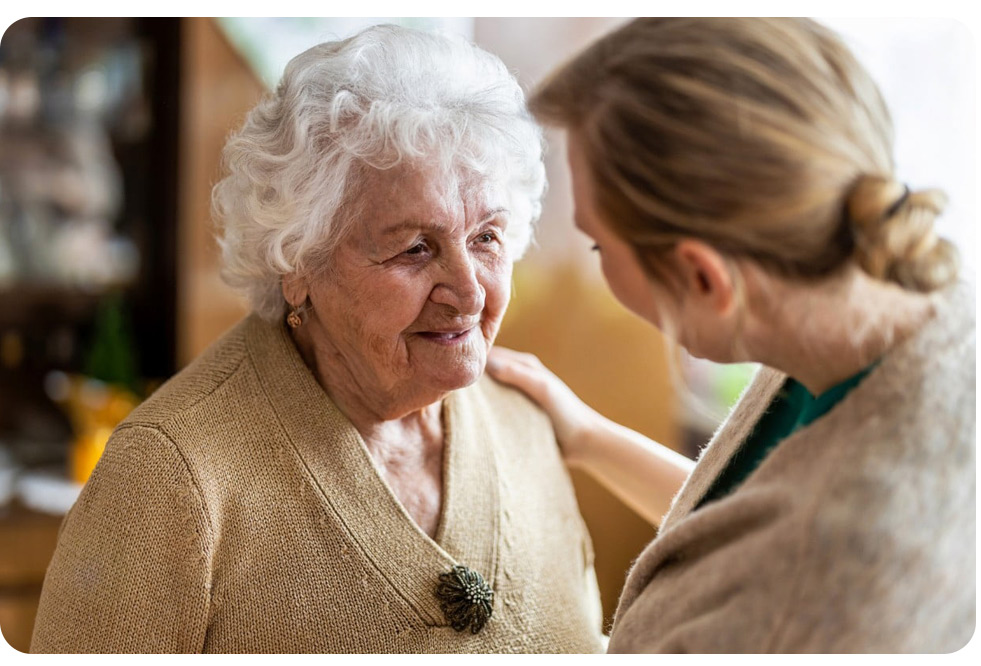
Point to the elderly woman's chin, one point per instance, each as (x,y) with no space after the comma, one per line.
(449,361)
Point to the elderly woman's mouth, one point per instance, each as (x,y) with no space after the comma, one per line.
(453,337)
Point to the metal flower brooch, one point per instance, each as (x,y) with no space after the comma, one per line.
(466,600)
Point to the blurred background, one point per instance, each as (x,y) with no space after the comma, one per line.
(110,134)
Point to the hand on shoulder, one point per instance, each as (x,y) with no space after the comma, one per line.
(571,418)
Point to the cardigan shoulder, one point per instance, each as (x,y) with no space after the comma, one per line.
(143,518)
(521,412)
(895,525)
(195,383)
(132,570)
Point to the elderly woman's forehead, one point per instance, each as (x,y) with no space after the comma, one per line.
(408,189)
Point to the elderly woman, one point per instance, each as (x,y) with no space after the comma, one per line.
(737,178)
(335,474)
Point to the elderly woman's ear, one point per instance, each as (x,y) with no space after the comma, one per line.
(295,289)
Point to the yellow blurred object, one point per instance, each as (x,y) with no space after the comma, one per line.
(85,453)
(95,409)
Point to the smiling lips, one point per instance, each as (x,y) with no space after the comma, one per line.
(446,337)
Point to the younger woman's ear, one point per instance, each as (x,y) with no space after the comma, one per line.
(295,289)
(705,275)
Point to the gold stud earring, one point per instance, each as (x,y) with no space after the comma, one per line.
(293,318)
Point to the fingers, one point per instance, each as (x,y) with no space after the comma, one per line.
(504,364)
(523,371)
(524,358)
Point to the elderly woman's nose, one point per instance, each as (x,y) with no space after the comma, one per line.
(459,286)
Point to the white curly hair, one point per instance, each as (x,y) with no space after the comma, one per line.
(382,97)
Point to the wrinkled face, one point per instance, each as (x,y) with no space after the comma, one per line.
(417,289)
(621,268)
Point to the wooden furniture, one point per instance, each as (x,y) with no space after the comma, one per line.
(27,542)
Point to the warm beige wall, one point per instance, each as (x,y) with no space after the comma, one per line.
(217,89)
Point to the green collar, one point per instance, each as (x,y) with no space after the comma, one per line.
(793,408)
(812,408)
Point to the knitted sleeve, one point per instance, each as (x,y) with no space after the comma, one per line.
(131,572)
(719,584)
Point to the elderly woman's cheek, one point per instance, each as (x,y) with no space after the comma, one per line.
(497,286)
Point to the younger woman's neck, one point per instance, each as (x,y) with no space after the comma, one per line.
(823,333)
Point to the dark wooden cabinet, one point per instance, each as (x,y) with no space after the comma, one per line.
(71,86)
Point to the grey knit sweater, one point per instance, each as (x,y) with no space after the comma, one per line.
(857,534)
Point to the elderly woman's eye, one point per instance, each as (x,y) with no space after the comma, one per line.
(418,248)
(487,237)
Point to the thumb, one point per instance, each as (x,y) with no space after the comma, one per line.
(500,368)
(493,364)
(511,372)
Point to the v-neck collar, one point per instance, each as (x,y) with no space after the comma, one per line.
(347,479)
(814,407)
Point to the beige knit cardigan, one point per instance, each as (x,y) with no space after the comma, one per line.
(856,534)
(237,510)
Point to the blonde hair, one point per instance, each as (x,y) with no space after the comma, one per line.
(763,137)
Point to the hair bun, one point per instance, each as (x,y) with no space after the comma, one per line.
(894,235)
(872,198)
